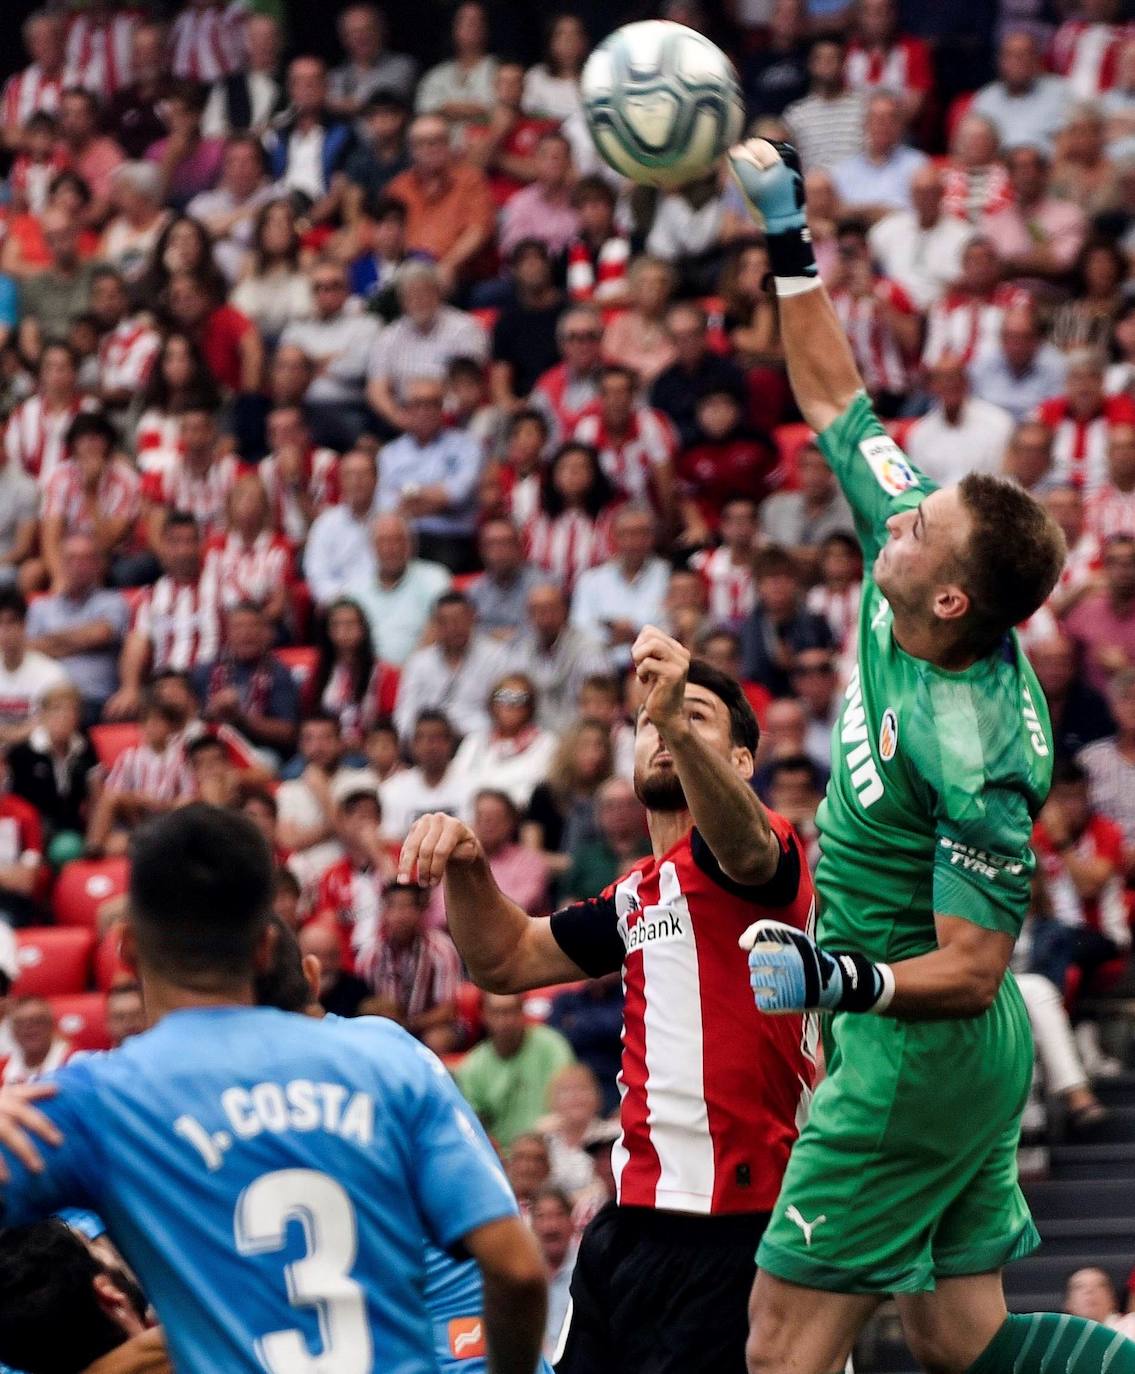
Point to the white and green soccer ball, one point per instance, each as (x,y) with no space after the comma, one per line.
(662,102)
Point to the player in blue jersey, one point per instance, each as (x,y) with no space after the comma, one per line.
(270,1177)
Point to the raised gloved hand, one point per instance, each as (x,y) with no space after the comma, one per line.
(772,183)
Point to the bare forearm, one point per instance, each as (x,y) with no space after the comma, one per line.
(942,986)
(515,1314)
(135,657)
(821,367)
(486,926)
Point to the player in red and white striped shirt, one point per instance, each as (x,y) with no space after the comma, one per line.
(36,437)
(248,561)
(192,478)
(1081,420)
(636,444)
(300,479)
(710,1093)
(728,569)
(207,39)
(100,48)
(40,84)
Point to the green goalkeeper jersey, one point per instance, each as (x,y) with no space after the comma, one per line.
(936,776)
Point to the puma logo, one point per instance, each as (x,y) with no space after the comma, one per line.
(808,1227)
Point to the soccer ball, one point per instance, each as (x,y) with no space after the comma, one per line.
(662,102)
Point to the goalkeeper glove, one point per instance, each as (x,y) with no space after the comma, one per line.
(772,182)
(789,972)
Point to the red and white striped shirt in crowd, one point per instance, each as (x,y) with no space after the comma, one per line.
(416,979)
(569,543)
(182,621)
(36,438)
(971,195)
(651,441)
(126,356)
(247,572)
(119,494)
(904,66)
(157,432)
(598,276)
(356,717)
(840,608)
(732,594)
(712,1091)
(168,480)
(1079,447)
(961,323)
(562,397)
(352,897)
(29,91)
(523,498)
(877,351)
(165,776)
(30,182)
(1087,55)
(1110,512)
(1081,566)
(100,51)
(207,40)
(320,483)
(1106,912)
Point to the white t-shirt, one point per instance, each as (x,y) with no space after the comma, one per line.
(22,689)
(407,795)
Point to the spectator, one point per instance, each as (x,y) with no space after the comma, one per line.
(1028,457)
(921,248)
(398,596)
(524,335)
(519,871)
(551,1221)
(1097,285)
(286,895)
(429,476)
(688,230)
(19,519)
(308,147)
(1102,624)
(349,895)
(512,488)
(879,56)
(232,215)
(37,1047)
(26,675)
(571,531)
(566,391)
(382,748)
(176,621)
(54,770)
(125,1013)
(597,257)
(528,1168)
(1082,171)
(800,520)
(500,594)
(778,627)
(504,147)
(615,600)
(422,343)
(247,560)
(1110,762)
(349,683)
(461,90)
(777,73)
(512,754)
(208,39)
(413,973)
(1086,48)
(794,785)
(247,688)
(505,1078)
(812,673)
(1080,420)
(726,460)
(178,380)
(827,124)
(26,250)
(430,785)
(975,182)
(376,243)
(551,88)
(450,674)
(128,344)
(62,290)
(1021,369)
(1027,107)
(636,444)
(591,1018)
(1112,509)
(230,343)
(370,69)
(1079,713)
(620,839)
(960,433)
(1084,553)
(574,1103)
(340,993)
(1121,374)
(82,624)
(146,779)
(134,114)
(140,216)
(752,328)
(1037,234)
(339,554)
(449,206)
(696,369)
(637,339)
(301,480)
(877,180)
(188,163)
(1091,1293)
(277,296)
(39,85)
(195,476)
(561,812)
(836,595)
(248,99)
(92,154)
(338,339)
(557,656)
(543,211)
(727,569)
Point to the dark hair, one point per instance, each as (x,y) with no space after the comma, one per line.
(364,666)
(773,561)
(241,138)
(416,891)
(464,366)
(453,599)
(152,706)
(192,94)
(384,725)
(1095,245)
(434,717)
(599,494)
(152,287)
(12,603)
(1013,558)
(58,346)
(89,425)
(795,763)
(603,682)
(257,792)
(743,728)
(51,1321)
(285,878)
(495,794)
(282,984)
(528,416)
(203,744)
(389,207)
(593,188)
(79,184)
(1069,771)
(524,246)
(40,119)
(203,929)
(291,253)
(202,386)
(628,374)
(842,538)
(550,27)
(180,520)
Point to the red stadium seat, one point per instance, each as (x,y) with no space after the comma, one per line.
(112,740)
(109,968)
(789,441)
(84,885)
(53,960)
(82,1020)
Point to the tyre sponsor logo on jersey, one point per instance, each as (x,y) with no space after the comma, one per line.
(888,735)
(979,861)
(864,775)
(888,462)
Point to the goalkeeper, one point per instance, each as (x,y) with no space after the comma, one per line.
(904,1179)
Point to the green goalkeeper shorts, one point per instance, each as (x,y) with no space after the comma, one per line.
(906,1171)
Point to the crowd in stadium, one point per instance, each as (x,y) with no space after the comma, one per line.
(357,418)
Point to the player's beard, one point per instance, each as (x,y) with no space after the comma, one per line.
(660,789)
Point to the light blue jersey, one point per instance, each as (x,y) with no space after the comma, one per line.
(270,1178)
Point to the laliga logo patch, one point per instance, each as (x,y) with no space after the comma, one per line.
(888,735)
(886,460)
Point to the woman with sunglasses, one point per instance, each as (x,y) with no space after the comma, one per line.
(514,754)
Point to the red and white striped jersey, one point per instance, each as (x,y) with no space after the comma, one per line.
(100,52)
(321,473)
(562,398)
(126,355)
(246,572)
(182,621)
(904,66)
(169,481)
(29,91)
(651,442)
(568,544)
(597,276)
(1087,55)
(962,323)
(165,776)
(353,896)
(711,1091)
(1079,447)
(424,975)
(1106,912)
(119,494)
(157,432)
(36,438)
(840,608)
(970,195)
(732,594)
(207,40)
(877,351)
(1110,512)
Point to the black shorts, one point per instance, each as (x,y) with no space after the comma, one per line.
(661,1293)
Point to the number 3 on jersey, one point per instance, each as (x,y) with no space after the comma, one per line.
(321,1279)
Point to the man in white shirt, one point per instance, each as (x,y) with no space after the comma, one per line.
(961,433)
(877,180)
(305,812)
(454,674)
(400,594)
(1025,105)
(430,785)
(921,248)
(615,600)
(369,68)
(25,675)
(231,209)
(339,552)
